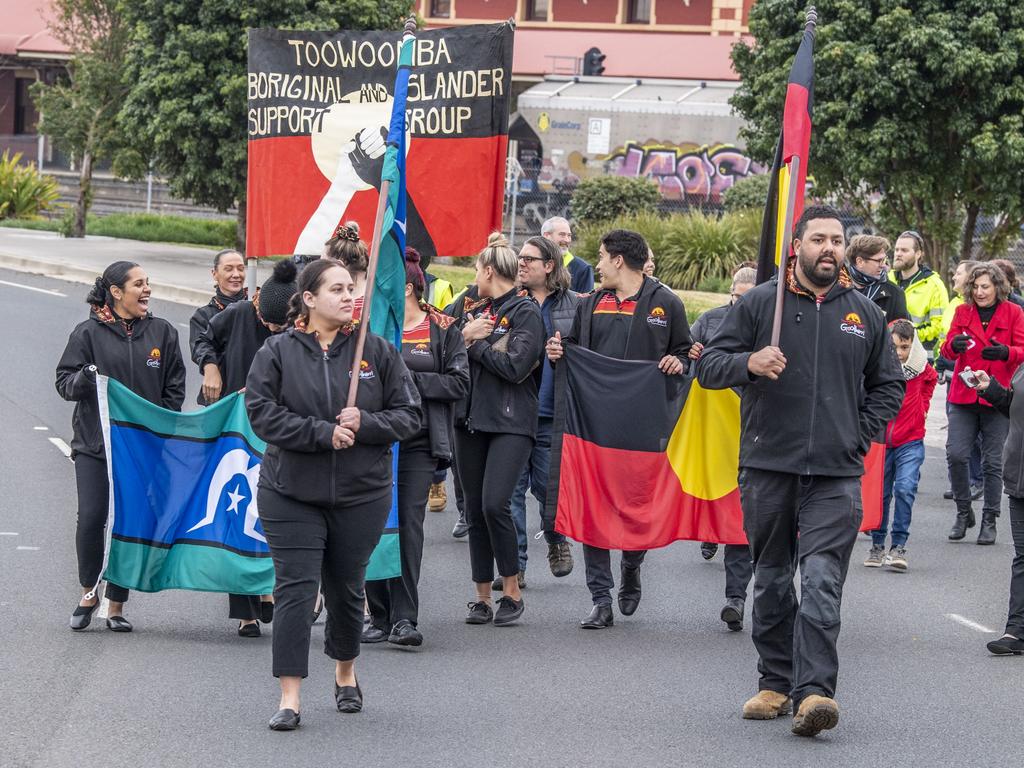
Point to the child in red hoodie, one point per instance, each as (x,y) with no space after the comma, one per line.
(904,448)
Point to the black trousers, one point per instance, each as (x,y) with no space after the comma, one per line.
(392,600)
(813,521)
(966,423)
(307,543)
(93,506)
(739,569)
(243,607)
(489,465)
(1015,616)
(599,570)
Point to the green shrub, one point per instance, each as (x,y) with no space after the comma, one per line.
(700,248)
(603,198)
(749,193)
(165,228)
(715,285)
(24,192)
(588,236)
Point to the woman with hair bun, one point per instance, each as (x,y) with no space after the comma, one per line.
(346,247)
(504,337)
(325,483)
(120,339)
(434,352)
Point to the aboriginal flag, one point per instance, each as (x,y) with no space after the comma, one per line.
(640,459)
(794,140)
(319,109)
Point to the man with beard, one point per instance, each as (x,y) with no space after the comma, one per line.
(558,231)
(926,295)
(810,408)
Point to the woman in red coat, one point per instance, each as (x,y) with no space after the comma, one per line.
(987,334)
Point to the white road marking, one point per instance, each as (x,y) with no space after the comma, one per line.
(183,325)
(970,624)
(31,549)
(61,446)
(33,288)
(41,429)
(104,609)
(8,533)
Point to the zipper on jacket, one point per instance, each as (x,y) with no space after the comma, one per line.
(131,365)
(814,382)
(330,409)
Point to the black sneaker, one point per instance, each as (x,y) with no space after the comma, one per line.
(461,529)
(404,633)
(479,613)
(948,495)
(373,634)
(509,611)
(732,614)
(1004,646)
(708,550)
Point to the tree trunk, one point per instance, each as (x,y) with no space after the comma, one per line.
(84,195)
(970,225)
(240,230)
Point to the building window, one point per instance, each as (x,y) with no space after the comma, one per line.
(25,115)
(639,12)
(440,9)
(537,10)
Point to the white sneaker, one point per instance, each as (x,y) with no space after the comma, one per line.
(896,559)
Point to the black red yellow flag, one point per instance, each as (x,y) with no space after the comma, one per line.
(794,141)
(640,459)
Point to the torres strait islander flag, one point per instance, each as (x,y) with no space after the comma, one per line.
(640,459)
(319,110)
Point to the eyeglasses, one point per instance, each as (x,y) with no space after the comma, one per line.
(528,259)
(878,259)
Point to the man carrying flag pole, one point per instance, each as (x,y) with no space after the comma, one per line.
(820,379)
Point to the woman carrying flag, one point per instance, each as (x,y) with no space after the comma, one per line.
(325,484)
(120,339)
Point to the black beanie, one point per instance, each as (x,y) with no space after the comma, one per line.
(276,293)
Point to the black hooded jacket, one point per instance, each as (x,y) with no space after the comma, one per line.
(842,382)
(197,325)
(147,361)
(505,367)
(293,394)
(443,387)
(234,337)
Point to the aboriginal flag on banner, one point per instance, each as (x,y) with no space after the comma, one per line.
(640,459)
(320,104)
(794,140)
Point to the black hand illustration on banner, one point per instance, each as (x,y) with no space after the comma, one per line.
(369,170)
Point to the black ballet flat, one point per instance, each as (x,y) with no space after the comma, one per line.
(348,698)
(285,720)
(81,617)
(119,624)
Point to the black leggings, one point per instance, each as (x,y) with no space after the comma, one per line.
(392,600)
(93,506)
(489,466)
(307,543)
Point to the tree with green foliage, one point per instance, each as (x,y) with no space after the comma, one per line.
(601,198)
(80,111)
(187,68)
(747,193)
(918,110)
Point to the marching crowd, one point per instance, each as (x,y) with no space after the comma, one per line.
(471,391)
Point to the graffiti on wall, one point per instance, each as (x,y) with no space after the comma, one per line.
(684,171)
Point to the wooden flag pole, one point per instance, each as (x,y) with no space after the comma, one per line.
(371,276)
(787,235)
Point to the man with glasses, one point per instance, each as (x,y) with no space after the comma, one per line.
(926,295)
(867,259)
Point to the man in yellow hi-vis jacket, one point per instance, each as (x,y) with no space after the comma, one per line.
(926,295)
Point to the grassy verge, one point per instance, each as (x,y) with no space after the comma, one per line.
(149,227)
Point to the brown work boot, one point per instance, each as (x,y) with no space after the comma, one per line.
(560,559)
(437,498)
(767,705)
(816,714)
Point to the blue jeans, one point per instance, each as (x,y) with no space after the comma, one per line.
(902,475)
(535,476)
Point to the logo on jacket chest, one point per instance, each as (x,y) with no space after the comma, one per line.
(365,371)
(153,360)
(420,350)
(501,327)
(657,318)
(852,325)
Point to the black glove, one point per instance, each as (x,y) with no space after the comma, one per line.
(960,343)
(996,351)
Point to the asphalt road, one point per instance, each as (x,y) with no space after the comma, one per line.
(662,688)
